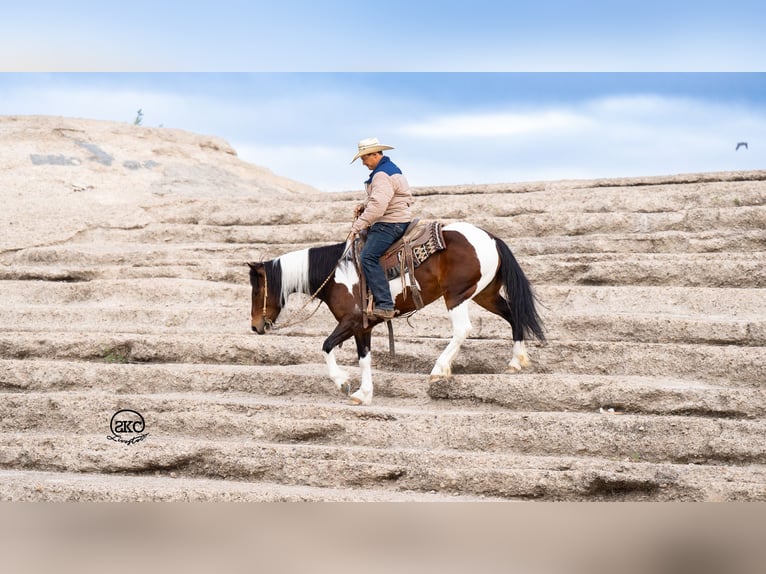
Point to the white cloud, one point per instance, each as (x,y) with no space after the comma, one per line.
(607,137)
(498,124)
(326,168)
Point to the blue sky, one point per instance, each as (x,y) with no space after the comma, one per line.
(388,35)
(467,92)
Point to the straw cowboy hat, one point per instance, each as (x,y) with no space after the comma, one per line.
(370,145)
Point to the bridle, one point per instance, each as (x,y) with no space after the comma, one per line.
(266,321)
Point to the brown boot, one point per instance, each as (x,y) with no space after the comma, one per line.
(386,314)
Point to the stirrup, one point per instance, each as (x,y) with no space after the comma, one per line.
(385,314)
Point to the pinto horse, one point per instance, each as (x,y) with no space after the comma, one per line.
(474,266)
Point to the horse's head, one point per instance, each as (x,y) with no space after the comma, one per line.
(265,303)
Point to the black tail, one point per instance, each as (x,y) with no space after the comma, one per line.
(519,295)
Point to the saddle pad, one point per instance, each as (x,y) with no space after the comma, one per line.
(426,240)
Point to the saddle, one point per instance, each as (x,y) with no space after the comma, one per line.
(419,241)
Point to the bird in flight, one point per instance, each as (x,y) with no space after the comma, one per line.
(741,144)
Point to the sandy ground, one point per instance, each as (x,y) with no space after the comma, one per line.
(124,286)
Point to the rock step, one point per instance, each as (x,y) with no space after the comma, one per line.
(727,365)
(677,439)
(736,270)
(115,292)
(218,271)
(135,251)
(638,242)
(513,476)
(177,293)
(557,200)
(527,235)
(592,196)
(713,270)
(190,319)
(187,319)
(599,327)
(36,486)
(572,393)
(576,223)
(659,314)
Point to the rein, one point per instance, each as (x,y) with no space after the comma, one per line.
(271,324)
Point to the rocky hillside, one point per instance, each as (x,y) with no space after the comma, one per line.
(124,286)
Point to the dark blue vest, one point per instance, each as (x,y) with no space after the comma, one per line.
(386,166)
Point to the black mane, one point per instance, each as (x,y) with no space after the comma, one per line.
(322,262)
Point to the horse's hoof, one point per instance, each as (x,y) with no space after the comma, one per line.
(358,399)
(437,378)
(345,388)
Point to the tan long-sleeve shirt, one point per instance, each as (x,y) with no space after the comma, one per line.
(389,200)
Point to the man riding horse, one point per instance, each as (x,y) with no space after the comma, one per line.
(385,216)
(471,264)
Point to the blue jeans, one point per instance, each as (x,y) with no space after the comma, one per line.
(379,238)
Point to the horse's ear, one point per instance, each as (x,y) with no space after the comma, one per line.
(252,264)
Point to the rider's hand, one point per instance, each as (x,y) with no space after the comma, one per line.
(358,210)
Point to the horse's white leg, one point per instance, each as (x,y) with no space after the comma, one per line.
(520,358)
(338,375)
(363,396)
(461,326)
